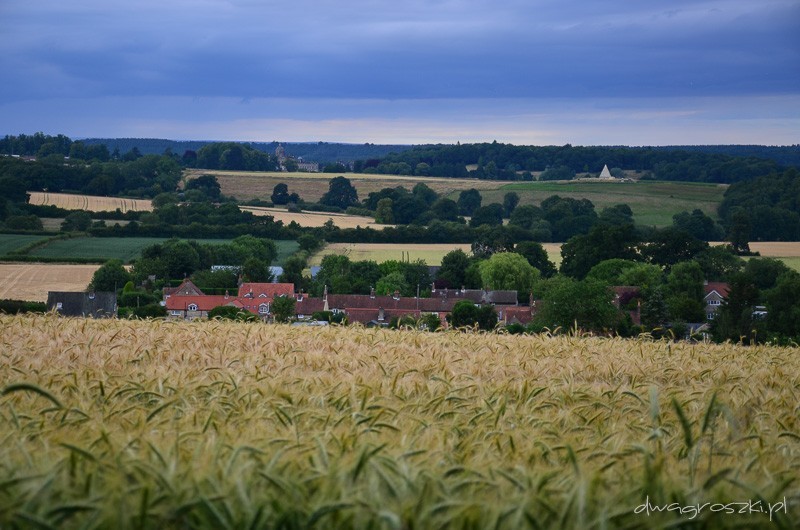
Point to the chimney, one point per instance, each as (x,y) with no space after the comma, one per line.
(372,292)
(433,287)
(396,295)
(226,294)
(462,289)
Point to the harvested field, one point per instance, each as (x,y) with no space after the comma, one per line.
(430,253)
(152,424)
(246,185)
(315,218)
(31,281)
(89,203)
(777,249)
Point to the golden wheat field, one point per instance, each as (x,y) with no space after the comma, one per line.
(89,202)
(143,424)
(315,218)
(245,185)
(32,281)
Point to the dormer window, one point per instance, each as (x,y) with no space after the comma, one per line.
(262,295)
(192,307)
(263,309)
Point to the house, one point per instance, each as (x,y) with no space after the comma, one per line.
(100,304)
(188,302)
(715,294)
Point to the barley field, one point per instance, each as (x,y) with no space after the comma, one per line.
(142,424)
(89,202)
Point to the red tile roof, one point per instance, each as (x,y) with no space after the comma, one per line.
(721,287)
(203,302)
(268,290)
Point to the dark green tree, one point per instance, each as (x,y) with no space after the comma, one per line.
(510,202)
(340,193)
(383,214)
(282,308)
(537,256)
(110,276)
(491,214)
(469,201)
(466,314)
(734,319)
(452,272)
(256,270)
(207,184)
(566,302)
(280,194)
(78,221)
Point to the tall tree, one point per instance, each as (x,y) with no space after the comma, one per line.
(341,193)
(280,194)
(469,201)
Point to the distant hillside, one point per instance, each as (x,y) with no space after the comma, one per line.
(309,151)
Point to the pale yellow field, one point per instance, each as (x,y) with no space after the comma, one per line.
(31,281)
(430,253)
(777,249)
(315,218)
(89,202)
(154,424)
(246,185)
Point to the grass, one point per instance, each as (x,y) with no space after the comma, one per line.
(653,202)
(123,248)
(12,242)
(137,424)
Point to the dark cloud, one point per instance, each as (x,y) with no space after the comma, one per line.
(416,49)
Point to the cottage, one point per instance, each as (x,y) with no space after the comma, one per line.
(99,304)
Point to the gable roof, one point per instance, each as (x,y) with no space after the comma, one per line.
(721,288)
(186,288)
(265,290)
(205,302)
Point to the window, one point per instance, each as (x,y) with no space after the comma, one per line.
(192,307)
(176,313)
(59,305)
(263,309)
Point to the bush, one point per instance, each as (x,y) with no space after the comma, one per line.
(14,307)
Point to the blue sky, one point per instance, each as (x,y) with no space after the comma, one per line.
(537,72)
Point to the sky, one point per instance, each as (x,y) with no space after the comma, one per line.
(533,72)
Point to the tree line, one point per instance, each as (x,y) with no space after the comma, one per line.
(498,161)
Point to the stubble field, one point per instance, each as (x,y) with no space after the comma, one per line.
(245,185)
(32,281)
(137,424)
(315,219)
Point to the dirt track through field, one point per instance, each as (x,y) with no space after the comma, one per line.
(32,281)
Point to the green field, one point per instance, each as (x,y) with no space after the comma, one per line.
(123,248)
(653,202)
(12,242)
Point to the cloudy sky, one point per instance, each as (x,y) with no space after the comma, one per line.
(586,72)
